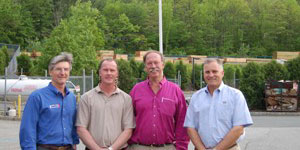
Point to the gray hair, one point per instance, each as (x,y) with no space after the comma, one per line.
(210,60)
(63,57)
(152,51)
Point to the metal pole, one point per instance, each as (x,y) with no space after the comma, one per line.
(5,84)
(234,84)
(21,71)
(179,78)
(194,78)
(160,26)
(46,73)
(83,74)
(201,79)
(92,79)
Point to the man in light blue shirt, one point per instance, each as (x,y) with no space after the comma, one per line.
(217,114)
(48,120)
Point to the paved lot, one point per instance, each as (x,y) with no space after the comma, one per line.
(268,133)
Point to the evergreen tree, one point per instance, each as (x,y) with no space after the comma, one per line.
(25,63)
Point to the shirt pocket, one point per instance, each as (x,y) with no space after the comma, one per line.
(167,106)
(224,111)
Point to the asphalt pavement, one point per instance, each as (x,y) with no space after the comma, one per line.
(267,133)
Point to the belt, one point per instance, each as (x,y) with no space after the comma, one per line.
(53,147)
(155,145)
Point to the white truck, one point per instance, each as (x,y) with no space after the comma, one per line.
(25,86)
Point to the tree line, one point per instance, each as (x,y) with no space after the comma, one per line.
(205,27)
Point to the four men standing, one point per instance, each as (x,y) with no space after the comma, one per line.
(154,117)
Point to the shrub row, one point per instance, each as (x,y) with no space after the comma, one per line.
(249,78)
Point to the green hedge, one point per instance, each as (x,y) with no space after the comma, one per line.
(293,67)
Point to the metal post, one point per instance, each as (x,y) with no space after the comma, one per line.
(160,26)
(78,97)
(201,79)
(19,106)
(5,84)
(21,71)
(194,76)
(92,79)
(179,78)
(46,73)
(83,79)
(234,84)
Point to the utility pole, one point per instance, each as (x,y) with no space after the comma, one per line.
(160,27)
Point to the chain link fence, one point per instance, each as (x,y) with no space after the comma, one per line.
(83,82)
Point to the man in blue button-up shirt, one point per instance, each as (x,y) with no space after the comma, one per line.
(217,114)
(48,120)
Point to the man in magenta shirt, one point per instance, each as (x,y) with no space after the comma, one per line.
(159,108)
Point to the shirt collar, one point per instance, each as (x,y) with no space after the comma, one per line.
(162,82)
(219,89)
(55,90)
(98,90)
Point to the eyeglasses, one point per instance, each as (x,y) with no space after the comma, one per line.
(61,69)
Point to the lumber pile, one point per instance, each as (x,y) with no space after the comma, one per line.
(235,60)
(103,54)
(169,59)
(140,53)
(121,56)
(183,59)
(285,55)
(198,59)
(258,60)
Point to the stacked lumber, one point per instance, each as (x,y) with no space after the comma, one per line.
(140,53)
(285,55)
(258,60)
(121,56)
(183,59)
(139,59)
(32,54)
(198,59)
(190,57)
(35,54)
(235,60)
(26,53)
(103,54)
(169,59)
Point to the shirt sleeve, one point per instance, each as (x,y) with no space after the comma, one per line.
(74,131)
(83,112)
(189,121)
(181,136)
(28,129)
(128,120)
(241,112)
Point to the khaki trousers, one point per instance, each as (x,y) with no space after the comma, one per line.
(142,147)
